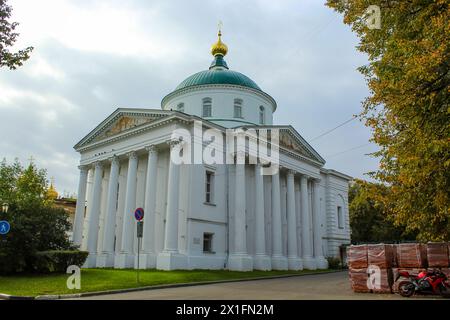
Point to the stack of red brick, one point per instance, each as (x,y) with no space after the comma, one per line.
(364,260)
(385,261)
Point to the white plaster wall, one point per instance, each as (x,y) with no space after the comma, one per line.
(336,194)
(223,105)
(197,259)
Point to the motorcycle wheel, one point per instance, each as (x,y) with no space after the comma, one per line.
(406,288)
(444,291)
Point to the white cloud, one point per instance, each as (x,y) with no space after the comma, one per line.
(93,56)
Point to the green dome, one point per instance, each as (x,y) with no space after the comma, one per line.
(218,76)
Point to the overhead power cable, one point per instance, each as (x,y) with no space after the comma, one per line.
(348,150)
(331,130)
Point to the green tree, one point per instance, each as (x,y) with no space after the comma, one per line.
(7,39)
(408,109)
(368,218)
(36,225)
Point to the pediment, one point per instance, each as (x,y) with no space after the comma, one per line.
(122,124)
(291,141)
(120,121)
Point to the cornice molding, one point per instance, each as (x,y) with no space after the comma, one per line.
(183,91)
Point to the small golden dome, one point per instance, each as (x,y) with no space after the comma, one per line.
(52,194)
(219,47)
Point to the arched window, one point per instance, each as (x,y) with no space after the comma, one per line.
(207,107)
(238,108)
(262,115)
(180,107)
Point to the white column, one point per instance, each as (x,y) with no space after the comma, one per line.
(239,260)
(308,260)
(94,216)
(170,258)
(262,260)
(294,261)
(106,259)
(279,262)
(148,258)
(322,263)
(125,259)
(81,206)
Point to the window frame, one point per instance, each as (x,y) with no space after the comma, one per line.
(206,106)
(208,236)
(237,110)
(340,218)
(262,115)
(209,194)
(180,107)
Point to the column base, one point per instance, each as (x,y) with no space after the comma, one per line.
(322,263)
(262,262)
(295,263)
(309,263)
(124,260)
(146,261)
(279,263)
(171,261)
(240,262)
(105,260)
(91,261)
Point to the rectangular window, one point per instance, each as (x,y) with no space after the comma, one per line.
(209,186)
(261,115)
(207,107)
(207,242)
(340,218)
(180,107)
(237,108)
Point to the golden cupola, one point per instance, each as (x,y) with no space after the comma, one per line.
(219,48)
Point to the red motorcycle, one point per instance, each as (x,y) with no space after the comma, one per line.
(426,282)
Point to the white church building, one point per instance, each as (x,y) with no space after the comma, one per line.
(235,214)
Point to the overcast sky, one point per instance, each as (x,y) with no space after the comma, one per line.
(91,57)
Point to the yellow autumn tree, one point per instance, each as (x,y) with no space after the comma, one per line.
(408,107)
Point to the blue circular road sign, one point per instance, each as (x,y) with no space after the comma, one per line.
(4,227)
(139,214)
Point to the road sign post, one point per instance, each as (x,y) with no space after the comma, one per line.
(139,215)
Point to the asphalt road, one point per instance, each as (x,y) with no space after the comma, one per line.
(314,287)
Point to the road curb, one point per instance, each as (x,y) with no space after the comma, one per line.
(10,297)
(156,287)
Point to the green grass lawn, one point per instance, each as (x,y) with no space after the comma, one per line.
(109,279)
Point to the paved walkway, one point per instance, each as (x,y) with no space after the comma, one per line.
(315,287)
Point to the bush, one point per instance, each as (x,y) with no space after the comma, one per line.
(58,260)
(334,263)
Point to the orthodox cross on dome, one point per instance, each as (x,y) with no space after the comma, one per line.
(219,48)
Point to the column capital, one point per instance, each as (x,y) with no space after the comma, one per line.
(132,155)
(291,172)
(174,142)
(98,165)
(304,177)
(151,148)
(83,168)
(114,160)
